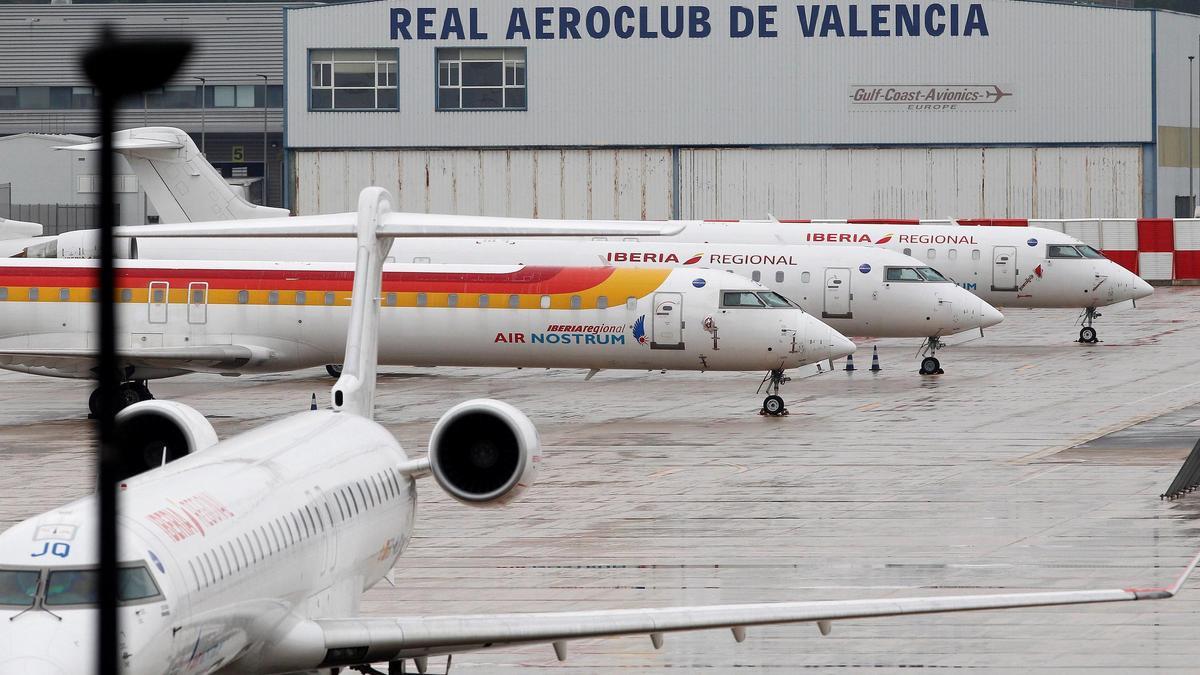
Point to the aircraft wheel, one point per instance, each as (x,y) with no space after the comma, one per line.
(930,366)
(128,394)
(94,402)
(335,371)
(143,391)
(773,405)
(1088,334)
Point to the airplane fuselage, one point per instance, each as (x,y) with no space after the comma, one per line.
(242,541)
(285,316)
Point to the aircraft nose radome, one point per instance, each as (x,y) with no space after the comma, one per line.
(840,345)
(1141,289)
(988,316)
(30,666)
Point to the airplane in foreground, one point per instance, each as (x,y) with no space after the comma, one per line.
(238,318)
(250,555)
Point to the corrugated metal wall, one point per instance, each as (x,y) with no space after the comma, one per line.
(1054,74)
(625,184)
(1007,182)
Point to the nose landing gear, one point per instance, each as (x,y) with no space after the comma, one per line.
(930,364)
(128,393)
(773,405)
(1087,334)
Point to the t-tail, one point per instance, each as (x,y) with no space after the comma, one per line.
(181,184)
(354,391)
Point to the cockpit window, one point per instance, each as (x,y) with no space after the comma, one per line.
(931,274)
(80,587)
(1089,252)
(17,587)
(773,299)
(1062,251)
(740,299)
(901,274)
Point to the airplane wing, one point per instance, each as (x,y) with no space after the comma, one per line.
(368,640)
(402,225)
(79,362)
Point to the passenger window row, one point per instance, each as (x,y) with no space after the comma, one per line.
(287,531)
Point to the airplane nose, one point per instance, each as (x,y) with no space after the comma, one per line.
(988,316)
(839,345)
(1141,289)
(30,666)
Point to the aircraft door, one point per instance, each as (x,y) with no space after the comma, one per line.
(159,300)
(197,302)
(668,321)
(837,294)
(1004,268)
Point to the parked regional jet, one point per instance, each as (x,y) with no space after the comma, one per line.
(234,318)
(1006,266)
(250,555)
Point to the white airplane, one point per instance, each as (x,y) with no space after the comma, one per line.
(250,555)
(857,290)
(235,318)
(1005,266)
(17,235)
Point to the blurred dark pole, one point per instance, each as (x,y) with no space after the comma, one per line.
(117,69)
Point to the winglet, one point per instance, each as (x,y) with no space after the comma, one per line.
(354,391)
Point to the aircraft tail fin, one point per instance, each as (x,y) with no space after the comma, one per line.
(179,181)
(354,391)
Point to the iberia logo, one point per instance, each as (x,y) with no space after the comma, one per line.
(694,259)
(884,239)
(639,329)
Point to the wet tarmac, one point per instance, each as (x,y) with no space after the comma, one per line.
(1033,463)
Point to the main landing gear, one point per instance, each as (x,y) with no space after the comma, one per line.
(773,405)
(127,394)
(930,364)
(1087,334)
(335,371)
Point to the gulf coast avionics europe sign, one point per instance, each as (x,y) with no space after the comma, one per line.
(624,22)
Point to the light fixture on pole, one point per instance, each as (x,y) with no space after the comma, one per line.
(117,70)
(264,102)
(203,104)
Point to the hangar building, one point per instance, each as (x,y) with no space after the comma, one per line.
(722,109)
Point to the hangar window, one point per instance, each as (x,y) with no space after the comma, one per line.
(353,79)
(481,79)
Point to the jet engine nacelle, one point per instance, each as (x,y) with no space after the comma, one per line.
(155,432)
(484,452)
